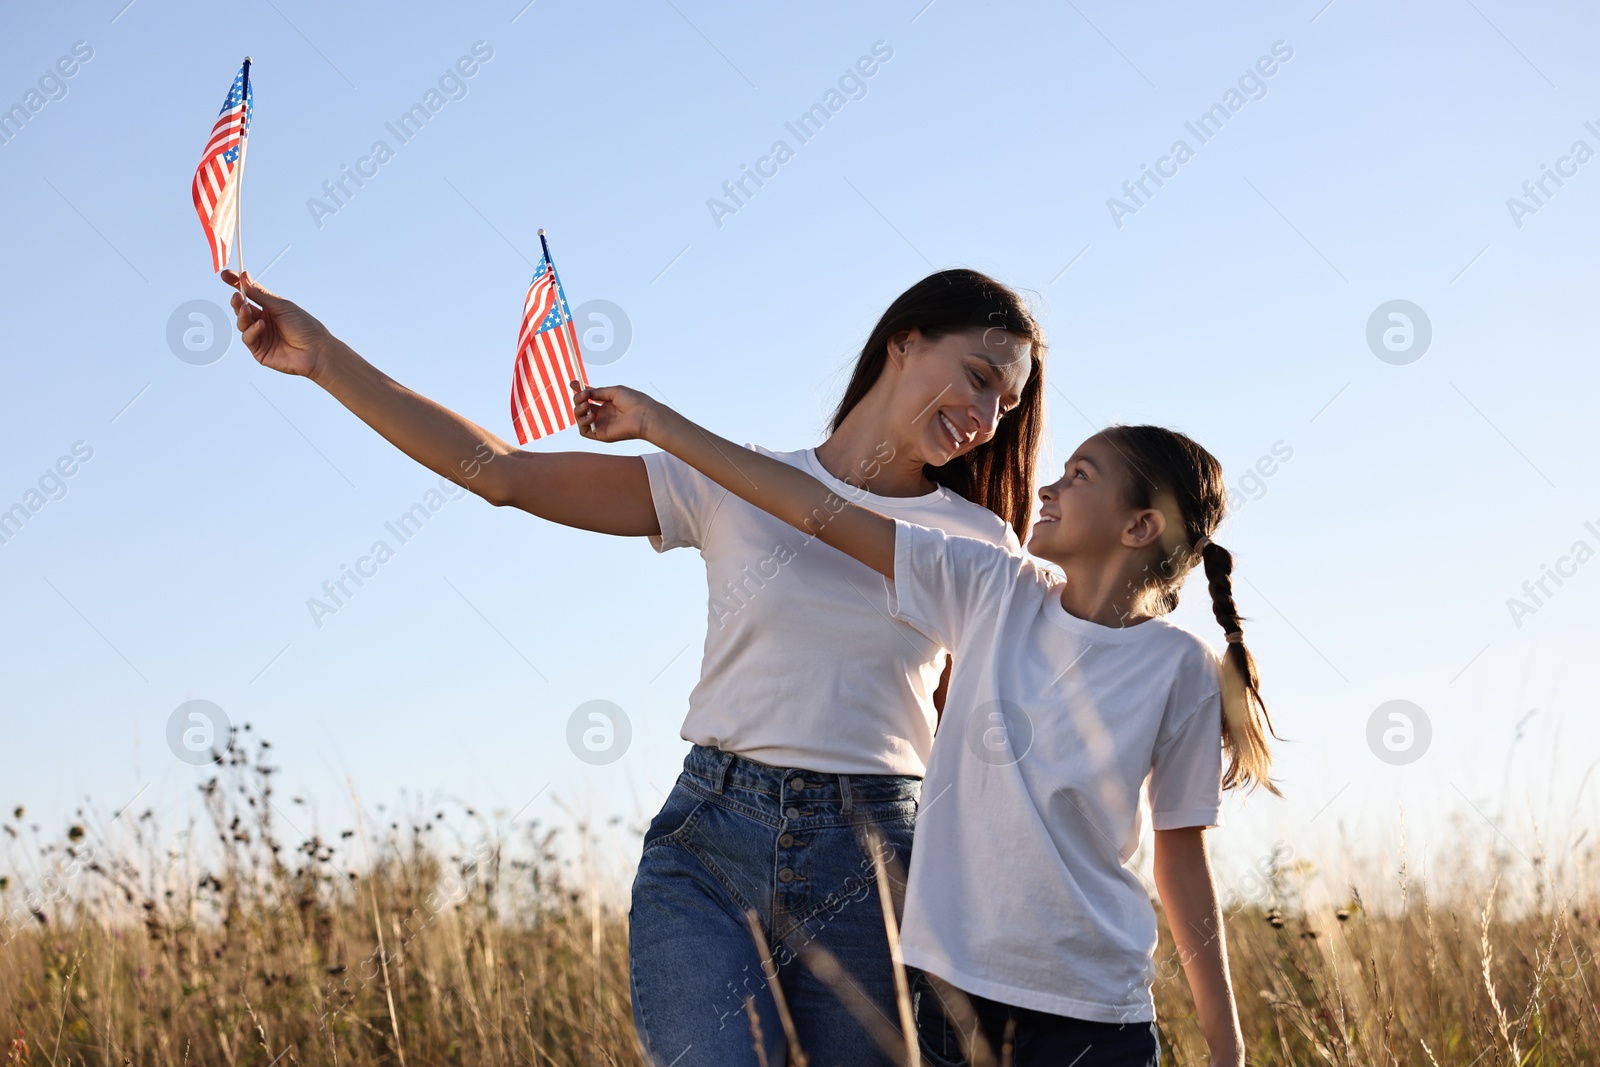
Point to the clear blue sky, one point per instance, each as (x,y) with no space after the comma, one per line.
(1374,164)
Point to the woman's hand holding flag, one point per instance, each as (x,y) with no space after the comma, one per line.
(280,333)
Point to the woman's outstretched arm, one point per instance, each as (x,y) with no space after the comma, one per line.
(616,413)
(1189,894)
(607,494)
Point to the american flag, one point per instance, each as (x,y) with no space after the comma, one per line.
(216,182)
(547,357)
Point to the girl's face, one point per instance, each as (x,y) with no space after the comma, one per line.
(952,391)
(1085,512)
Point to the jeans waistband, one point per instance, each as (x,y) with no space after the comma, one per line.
(722,771)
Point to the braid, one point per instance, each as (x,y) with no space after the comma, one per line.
(1245,723)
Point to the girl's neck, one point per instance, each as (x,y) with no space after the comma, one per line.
(860,453)
(1106,595)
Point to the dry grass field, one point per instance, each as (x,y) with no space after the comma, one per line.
(407,944)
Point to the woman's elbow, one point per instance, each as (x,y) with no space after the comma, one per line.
(494,478)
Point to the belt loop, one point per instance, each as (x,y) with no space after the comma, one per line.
(844,794)
(720,775)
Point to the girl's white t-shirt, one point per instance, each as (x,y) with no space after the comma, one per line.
(1056,732)
(804,666)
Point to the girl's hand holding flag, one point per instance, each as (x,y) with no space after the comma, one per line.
(613,412)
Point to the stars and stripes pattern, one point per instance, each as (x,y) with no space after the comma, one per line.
(216,182)
(547,358)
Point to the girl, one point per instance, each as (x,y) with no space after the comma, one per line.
(796,747)
(1067,699)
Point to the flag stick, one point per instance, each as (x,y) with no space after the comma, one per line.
(238,192)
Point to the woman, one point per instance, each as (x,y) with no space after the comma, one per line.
(815,710)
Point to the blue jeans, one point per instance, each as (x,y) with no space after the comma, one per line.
(1037,1038)
(791,845)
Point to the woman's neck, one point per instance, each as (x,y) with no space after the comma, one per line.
(860,453)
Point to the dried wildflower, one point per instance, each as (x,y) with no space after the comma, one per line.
(19,813)
(1343,915)
(75,834)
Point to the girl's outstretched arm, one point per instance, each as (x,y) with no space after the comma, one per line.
(1189,895)
(617,413)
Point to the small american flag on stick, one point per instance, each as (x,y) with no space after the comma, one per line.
(547,357)
(221,171)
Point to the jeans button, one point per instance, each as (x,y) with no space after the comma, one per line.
(797,783)
(791,813)
(786,875)
(786,840)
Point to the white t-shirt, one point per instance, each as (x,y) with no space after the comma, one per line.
(803,664)
(1031,808)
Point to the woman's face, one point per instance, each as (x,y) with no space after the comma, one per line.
(952,391)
